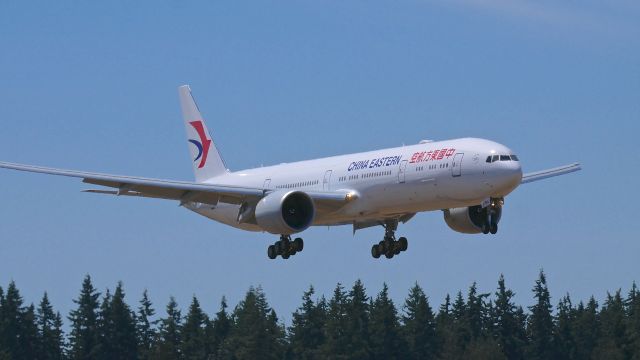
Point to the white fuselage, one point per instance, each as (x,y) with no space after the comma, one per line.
(389,183)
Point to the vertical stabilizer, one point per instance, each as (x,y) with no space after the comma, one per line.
(207,162)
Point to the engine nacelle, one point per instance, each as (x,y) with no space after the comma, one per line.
(285,212)
(469,220)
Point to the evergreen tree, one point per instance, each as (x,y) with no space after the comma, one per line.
(508,332)
(612,340)
(169,336)
(118,327)
(306,334)
(586,329)
(357,332)
(419,325)
(633,322)
(28,336)
(218,330)
(145,327)
(540,327)
(384,328)
(50,336)
(563,334)
(255,332)
(105,327)
(84,336)
(444,328)
(336,342)
(193,332)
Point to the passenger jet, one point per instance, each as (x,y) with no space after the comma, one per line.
(467,179)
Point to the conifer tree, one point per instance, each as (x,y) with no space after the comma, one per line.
(145,327)
(218,330)
(306,334)
(444,327)
(12,313)
(84,336)
(633,322)
(255,332)
(193,332)
(384,328)
(563,334)
(419,325)
(169,334)
(357,331)
(586,329)
(540,327)
(612,340)
(508,332)
(336,340)
(50,336)
(119,327)
(28,335)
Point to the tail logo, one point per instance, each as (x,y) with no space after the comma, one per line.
(203,145)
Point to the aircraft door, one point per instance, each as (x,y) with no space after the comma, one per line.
(456,165)
(327,180)
(267,184)
(402,170)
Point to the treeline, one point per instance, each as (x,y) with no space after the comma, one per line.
(349,325)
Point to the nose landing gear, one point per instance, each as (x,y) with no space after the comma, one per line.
(389,246)
(492,216)
(285,247)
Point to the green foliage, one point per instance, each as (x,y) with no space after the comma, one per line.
(349,326)
(306,334)
(418,325)
(84,340)
(145,328)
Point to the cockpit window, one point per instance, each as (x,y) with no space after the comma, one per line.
(514,158)
(495,158)
(489,158)
(505,158)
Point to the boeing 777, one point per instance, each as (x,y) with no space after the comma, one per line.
(467,179)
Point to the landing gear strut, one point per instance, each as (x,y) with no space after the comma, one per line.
(285,247)
(389,246)
(492,216)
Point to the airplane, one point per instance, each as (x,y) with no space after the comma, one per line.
(467,179)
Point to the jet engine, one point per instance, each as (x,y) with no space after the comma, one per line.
(470,220)
(285,212)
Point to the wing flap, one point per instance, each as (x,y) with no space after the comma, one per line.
(544,174)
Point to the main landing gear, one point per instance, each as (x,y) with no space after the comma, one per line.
(389,246)
(285,247)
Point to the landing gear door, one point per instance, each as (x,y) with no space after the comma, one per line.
(456,165)
(327,180)
(402,170)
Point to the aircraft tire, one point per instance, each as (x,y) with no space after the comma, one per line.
(404,244)
(271,252)
(375,251)
(298,244)
(485,228)
(389,255)
(494,228)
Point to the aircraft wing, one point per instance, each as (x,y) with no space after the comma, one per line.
(543,174)
(182,191)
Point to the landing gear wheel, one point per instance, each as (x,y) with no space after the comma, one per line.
(286,255)
(485,228)
(375,251)
(271,252)
(404,244)
(389,255)
(494,228)
(298,244)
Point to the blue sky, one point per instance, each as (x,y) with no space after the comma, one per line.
(92,86)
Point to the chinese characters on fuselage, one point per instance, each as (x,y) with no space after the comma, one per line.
(431,155)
